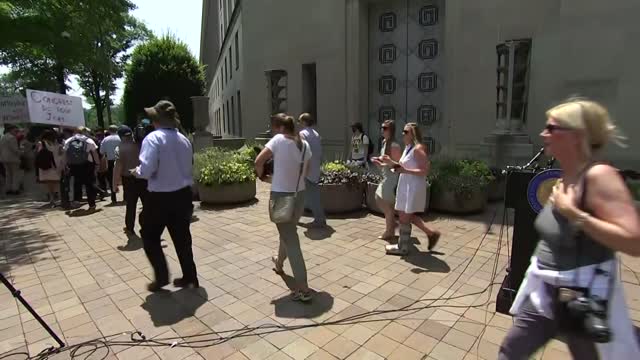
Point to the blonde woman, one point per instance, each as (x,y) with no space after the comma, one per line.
(589,217)
(386,191)
(411,194)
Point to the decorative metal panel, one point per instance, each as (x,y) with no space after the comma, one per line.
(406,66)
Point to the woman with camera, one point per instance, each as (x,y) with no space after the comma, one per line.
(290,156)
(386,191)
(411,193)
(572,286)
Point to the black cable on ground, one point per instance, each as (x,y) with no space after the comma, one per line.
(91,347)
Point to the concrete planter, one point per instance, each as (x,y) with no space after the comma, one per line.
(341,198)
(370,198)
(227,194)
(448,201)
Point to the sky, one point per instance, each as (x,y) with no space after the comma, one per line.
(180,18)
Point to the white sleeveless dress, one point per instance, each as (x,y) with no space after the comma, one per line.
(411,195)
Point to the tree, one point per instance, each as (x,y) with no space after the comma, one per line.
(162,68)
(105,60)
(18,81)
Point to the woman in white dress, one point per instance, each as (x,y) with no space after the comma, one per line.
(411,194)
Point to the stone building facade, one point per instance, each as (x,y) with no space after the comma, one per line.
(476,75)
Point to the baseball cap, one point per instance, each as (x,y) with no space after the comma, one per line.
(124,130)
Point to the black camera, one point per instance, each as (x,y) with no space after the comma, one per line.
(591,315)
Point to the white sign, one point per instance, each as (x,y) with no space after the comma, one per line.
(13,109)
(55,109)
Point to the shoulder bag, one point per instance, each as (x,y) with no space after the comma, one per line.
(282,209)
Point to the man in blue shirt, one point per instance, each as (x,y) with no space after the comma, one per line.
(166,162)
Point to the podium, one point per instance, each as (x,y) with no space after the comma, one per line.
(524,239)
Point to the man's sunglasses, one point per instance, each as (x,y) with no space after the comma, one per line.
(551,128)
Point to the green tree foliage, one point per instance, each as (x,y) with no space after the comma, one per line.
(18,81)
(162,68)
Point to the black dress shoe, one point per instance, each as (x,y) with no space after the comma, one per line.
(182,283)
(157,285)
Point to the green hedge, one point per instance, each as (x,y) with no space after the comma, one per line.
(216,166)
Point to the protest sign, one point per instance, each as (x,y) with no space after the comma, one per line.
(54,109)
(13,109)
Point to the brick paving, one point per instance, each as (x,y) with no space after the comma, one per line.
(87,280)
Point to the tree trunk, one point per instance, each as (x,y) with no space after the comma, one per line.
(108,101)
(62,86)
(97,99)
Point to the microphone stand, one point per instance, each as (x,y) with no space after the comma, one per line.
(16,294)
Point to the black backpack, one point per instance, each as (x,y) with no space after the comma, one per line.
(44,158)
(371,147)
(77,152)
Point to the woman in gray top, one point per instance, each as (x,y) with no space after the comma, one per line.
(589,217)
(386,191)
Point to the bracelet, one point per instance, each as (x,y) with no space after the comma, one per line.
(582,218)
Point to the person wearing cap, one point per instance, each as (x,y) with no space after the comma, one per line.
(166,161)
(126,159)
(83,161)
(108,149)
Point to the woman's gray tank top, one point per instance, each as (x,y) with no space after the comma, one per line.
(561,247)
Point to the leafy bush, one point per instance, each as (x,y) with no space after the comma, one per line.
(337,172)
(462,177)
(215,166)
(162,68)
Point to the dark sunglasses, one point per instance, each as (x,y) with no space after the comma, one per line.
(385,127)
(551,128)
(405,131)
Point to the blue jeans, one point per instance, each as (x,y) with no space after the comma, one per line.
(312,201)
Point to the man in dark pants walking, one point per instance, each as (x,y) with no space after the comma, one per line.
(126,155)
(82,159)
(166,162)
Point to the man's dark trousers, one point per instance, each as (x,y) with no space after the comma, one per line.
(173,211)
(133,189)
(84,175)
(111,164)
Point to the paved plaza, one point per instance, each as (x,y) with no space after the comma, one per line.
(88,280)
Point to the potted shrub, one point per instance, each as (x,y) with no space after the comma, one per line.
(225,176)
(460,186)
(371,181)
(341,188)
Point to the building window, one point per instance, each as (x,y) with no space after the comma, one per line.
(233,116)
(237,52)
(277,90)
(230,63)
(228,119)
(224,119)
(239,114)
(513,81)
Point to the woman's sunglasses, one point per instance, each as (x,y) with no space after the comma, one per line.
(385,128)
(405,131)
(551,128)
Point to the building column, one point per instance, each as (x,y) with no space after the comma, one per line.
(356,65)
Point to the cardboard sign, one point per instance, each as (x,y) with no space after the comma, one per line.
(54,109)
(13,109)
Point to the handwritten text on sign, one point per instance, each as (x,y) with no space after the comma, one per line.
(13,109)
(55,109)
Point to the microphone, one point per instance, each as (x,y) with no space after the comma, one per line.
(535,158)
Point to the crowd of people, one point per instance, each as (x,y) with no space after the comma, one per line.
(572,286)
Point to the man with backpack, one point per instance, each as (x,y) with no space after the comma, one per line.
(83,161)
(361,146)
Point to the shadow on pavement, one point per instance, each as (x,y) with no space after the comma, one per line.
(285,307)
(319,233)
(211,207)
(169,308)
(425,261)
(134,242)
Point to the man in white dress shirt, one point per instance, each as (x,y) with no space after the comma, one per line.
(108,148)
(166,161)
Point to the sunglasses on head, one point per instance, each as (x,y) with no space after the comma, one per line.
(551,128)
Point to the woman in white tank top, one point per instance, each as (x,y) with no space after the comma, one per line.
(411,194)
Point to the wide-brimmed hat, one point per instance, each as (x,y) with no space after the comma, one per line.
(164,112)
